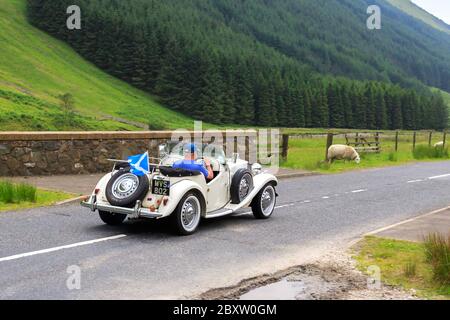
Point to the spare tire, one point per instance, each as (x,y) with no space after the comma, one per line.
(125,188)
(241,185)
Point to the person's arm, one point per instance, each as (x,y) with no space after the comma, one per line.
(209,168)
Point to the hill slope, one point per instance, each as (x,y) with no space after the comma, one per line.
(413,10)
(35,69)
(270,63)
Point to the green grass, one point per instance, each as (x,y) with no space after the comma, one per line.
(309,153)
(402,263)
(411,9)
(22,195)
(35,69)
(437,250)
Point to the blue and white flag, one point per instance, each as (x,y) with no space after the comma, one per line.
(139,164)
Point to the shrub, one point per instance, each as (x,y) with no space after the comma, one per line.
(10,193)
(393,157)
(6,192)
(437,250)
(156,125)
(25,192)
(424,152)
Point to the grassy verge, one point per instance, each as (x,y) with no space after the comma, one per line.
(23,196)
(404,264)
(309,153)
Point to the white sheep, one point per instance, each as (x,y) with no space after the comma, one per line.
(342,152)
(439,144)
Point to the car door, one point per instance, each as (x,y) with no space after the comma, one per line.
(219,190)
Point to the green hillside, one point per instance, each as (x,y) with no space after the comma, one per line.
(417,12)
(291,63)
(35,69)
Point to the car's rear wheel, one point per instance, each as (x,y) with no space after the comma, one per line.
(264,203)
(125,188)
(113,219)
(186,217)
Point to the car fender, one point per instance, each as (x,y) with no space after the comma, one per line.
(259,181)
(177,192)
(101,186)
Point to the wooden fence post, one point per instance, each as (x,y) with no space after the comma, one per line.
(445,139)
(329,143)
(396,141)
(414,140)
(285,147)
(429,138)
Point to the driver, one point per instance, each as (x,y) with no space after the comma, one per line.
(190,162)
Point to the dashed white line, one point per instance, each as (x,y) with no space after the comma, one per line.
(325,197)
(69,246)
(439,177)
(414,181)
(359,191)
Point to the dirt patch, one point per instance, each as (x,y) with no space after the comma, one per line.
(333,277)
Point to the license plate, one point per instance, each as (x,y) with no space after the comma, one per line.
(161,187)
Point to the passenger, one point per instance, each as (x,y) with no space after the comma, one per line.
(190,162)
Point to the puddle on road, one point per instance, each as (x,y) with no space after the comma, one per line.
(298,287)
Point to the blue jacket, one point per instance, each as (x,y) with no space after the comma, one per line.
(191,165)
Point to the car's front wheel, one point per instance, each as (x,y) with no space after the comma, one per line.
(113,219)
(264,203)
(186,217)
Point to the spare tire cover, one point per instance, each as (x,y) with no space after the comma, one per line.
(125,188)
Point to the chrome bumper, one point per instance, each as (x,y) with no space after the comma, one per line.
(136,212)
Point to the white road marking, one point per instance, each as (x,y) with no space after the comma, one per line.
(250,212)
(359,191)
(325,197)
(406,221)
(69,246)
(439,177)
(414,181)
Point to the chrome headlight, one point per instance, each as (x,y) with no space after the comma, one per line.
(256,168)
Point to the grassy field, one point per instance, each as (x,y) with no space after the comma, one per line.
(309,153)
(402,264)
(410,8)
(35,69)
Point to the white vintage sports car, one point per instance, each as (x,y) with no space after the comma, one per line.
(182,195)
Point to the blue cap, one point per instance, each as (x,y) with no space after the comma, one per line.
(190,147)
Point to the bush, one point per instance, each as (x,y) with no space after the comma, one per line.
(25,192)
(393,157)
(437,250)
(6,192)
(426,152)
(10,193)
(156,125)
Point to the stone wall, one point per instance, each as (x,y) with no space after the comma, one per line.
(56,153)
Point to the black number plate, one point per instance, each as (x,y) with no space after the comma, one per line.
(161,187)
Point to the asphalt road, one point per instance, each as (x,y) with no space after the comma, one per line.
(145,261)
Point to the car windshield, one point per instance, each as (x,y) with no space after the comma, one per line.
(207,150)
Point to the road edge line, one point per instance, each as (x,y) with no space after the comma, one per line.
(371,233)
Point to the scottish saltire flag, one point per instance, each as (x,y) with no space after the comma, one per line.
(139,164)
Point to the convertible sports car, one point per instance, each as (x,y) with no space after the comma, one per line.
(183,195)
